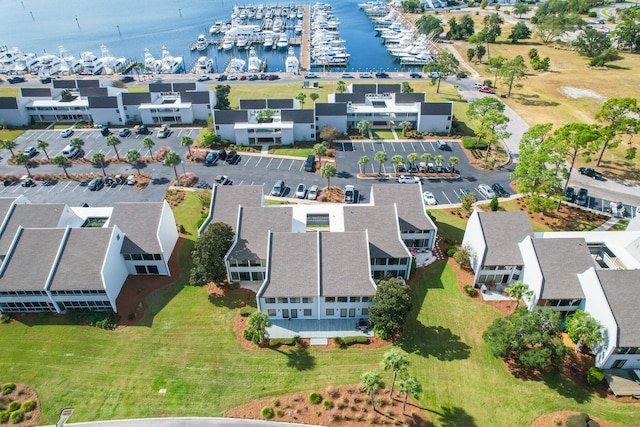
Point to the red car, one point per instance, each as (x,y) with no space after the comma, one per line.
(487,89)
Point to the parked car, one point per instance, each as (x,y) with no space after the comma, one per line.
(382,75)
(221,78)
(349,194)
(499,190)
(71,152)
(442,145)
(570,194)
(95,184)
(232,157)
(222,155)
(253,77)
(309,163)
(124,132)
(366,76)
(311,76)
(105,131)
(313,192)
(429,198)
(119,179)
(408,179)
(26,181)
(211,158)
(66,133)
(46,80)
(478,85)
(301,191)
(464,192)
(203,78)
(487,89)
(108,181)
(16,79)
(486,191)
(232,77)
(164,131)
(461,75)
(415,75)
(141,130)
(590,172)
(273,77)
(31,151)
(243,77)
(347,76)
(223,180)
(278,188)
(126,79)
(131,180)
(582,198)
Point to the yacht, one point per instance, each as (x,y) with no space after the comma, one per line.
(216,28)
(292,64)
(228,41)
(171,64)
(236,65)
(268,40)
(204,65)
(201,43)
(150,63)
(91,64)
(283,41)
(111,64)
(255,63)
(70,64)
(47,65)
(241,42)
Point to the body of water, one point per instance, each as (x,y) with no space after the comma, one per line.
(128,27)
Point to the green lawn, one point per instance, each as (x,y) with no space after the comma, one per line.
(385,134)
(298,152)
(137,89)
(450,227)
(185,344)
(10,134)
(9,92)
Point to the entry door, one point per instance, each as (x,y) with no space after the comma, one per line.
(285,313)
(294,313)
(343,312)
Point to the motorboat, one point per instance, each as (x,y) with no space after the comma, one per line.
(241,42)
(171,64)
(201,43)
(204,65)
(228,41)
(47,65)
(268,39)
(283,41)
(91,64)
(292,64)
(111,63)
(236,65)
(70,64)
(150,63)
(298,27)
(255,64)
(216,28)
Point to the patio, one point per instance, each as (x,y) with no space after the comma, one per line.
(313,328)
(623,382)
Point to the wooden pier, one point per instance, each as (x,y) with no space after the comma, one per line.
(305,51)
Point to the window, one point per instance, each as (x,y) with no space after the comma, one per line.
(294,300)
(283,300)
(330,299)
(141,269)
(245,275)
(127,257)
(366,299)
(147,257)
(270,300)
(136,257)
(307,300)
(307,312)
(352,312)
(354,299)
(152,269)
(365,311)
(342,299)
(271,312)
(330,312)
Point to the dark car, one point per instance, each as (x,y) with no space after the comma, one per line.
(570,194)
(141,130)
(96,184)
(582,199)
(263,77)
(31,152)
(590,172)
(222,155)
(16,79)
(124,132)
(211,158)
(273,77)
(223,180)
(105,131)
(382,75)
(499,190)
(108,181)
(232,157)
(415,75)
(464,192)
(461,75)
(46,80)
(253,77)
(126,79)
(221,78)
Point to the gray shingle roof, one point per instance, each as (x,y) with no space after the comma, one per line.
(436,109)
(621,290)
(136,98)
(336,268)
(279,104)
(64,84)
(35,92)
(502,232)
(139,222)
(381,223)
(8,103)
(227,198)
(183,87)
(229,117)
(254,230)
(24,269)
(80,266)
(45,215)
(293,270)
(409,98)
(559,271)
(94,91)
(201,98)
(331,109)
(88,83)
(252,104)
(103,102)
(364,88)
(408,202)
(160,87)
(389,88)
(355,98)
(297,116)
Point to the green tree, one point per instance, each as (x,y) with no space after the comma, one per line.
(77,143)
(320,149)
(492,27)
(520,291)
(406,87)
(172,159)
(614,113)
(380,157)
(8,144)
(133,157)
(265,115)
(532,54)
(208,254)
(454,161)
(627,34)
(397,160)
(41,144)
(257,328)
(493,128)
(61,161)
(391,305)
(479,109)
(98,158)
(341,87)
(592,43)
(463,254)
(413,158)
(397,361)
(467,24)
(328,171)
(513,71)
(364,127)
(148,144)
(222,97)
(405,126)
(454,32)
(301,97)
(480,51)
(113,141)
(426,157)
(533,337)
(584,329)
(445,65)
(371,382)
(521,9)
(186,141)
(314,97)
(554,19)
(576,139)
(471,53)
(429,25)
(23,160)
(494,65)
(411,6)
(362,162)
(409,386)
(520,31)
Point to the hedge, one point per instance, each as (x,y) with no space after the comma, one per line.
(470,143)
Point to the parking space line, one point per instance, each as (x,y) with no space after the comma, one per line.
(270,160)
(245,164)
(280,163)
(422,146)
(53,187)
(301,167)
(291,165)
(445,196)
(63,188)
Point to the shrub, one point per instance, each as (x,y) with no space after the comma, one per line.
(595,375)
(557,420)
(356,340)
(339,341)
(16,417)
(4,416)
(297,340)
(593,423)
(327,404)
(469,143)
(276,342)
(14,406)
(331,391)
(470,290)
(493,204)
(280,413)
(579,420)
(315,398)
(100,319)
(28,406)
(275,402)
(8,388)
(4,318)
(592,14)
(451,250)
(246,311)
(267,412)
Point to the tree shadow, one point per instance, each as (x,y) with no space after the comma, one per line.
(567,387)
(617,67)
(454,416)
(344,174)
(160,181)
(435,341)
(233,300)
(533,100)
(299,358)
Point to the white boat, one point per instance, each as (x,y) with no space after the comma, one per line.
(47,65)
(150,63)
(201,43)
(283,41)
(268,40)
(91,64)
(216,28)
(255,63)
(171,64)
(236,65)
(298,27)
(70,64)
(111,64)
(241,42)
(292,64)
(204,65)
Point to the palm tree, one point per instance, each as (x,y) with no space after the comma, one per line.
(77,143)
(328,171)
(8,144)
(426,157)
(98,158)
(413,158)
(23,159)
(372,381)
(314,96)
(362,162)
(301,97)
(397,161)
(408,385)
(364,127)
(61,161)
(454,161)
(113,141)
(41,144)
(187,142)
(380,157)
(172,159)
(133,156)
(584,329)
(397,361)
(439,158)
(320,149)
(405,126)
(341,87)
(519,290)
(148,144)
(259,322)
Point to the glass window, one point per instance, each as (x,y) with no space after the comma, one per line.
(141,269)
(330,299)
(152,269)
(147,257)
(330,312)
(307,300)
(271,312)
(136,257)
(157,257)
(294,300)
(127,257)
(342,299)
(354,299)
(365,311)
(283,300)
(270,300)
(245,275)
(235,276)
(307,312)
(366,299)
(352,312)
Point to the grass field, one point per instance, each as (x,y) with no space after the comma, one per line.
(185,344)
(9,92)
(288,151)
(10,134)
(385,134)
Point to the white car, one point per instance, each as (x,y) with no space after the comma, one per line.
(429,198)
(313,192)
(301,191)
(349,194)
(131,180)
(486,191)
(408,179)
(66,133)
(366,75)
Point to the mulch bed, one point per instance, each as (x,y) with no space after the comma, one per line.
(21,394)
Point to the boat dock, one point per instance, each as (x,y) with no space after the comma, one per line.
(305,59)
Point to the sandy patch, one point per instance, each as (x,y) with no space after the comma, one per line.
(577,92)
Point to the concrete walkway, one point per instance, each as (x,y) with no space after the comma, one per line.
(607,225)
